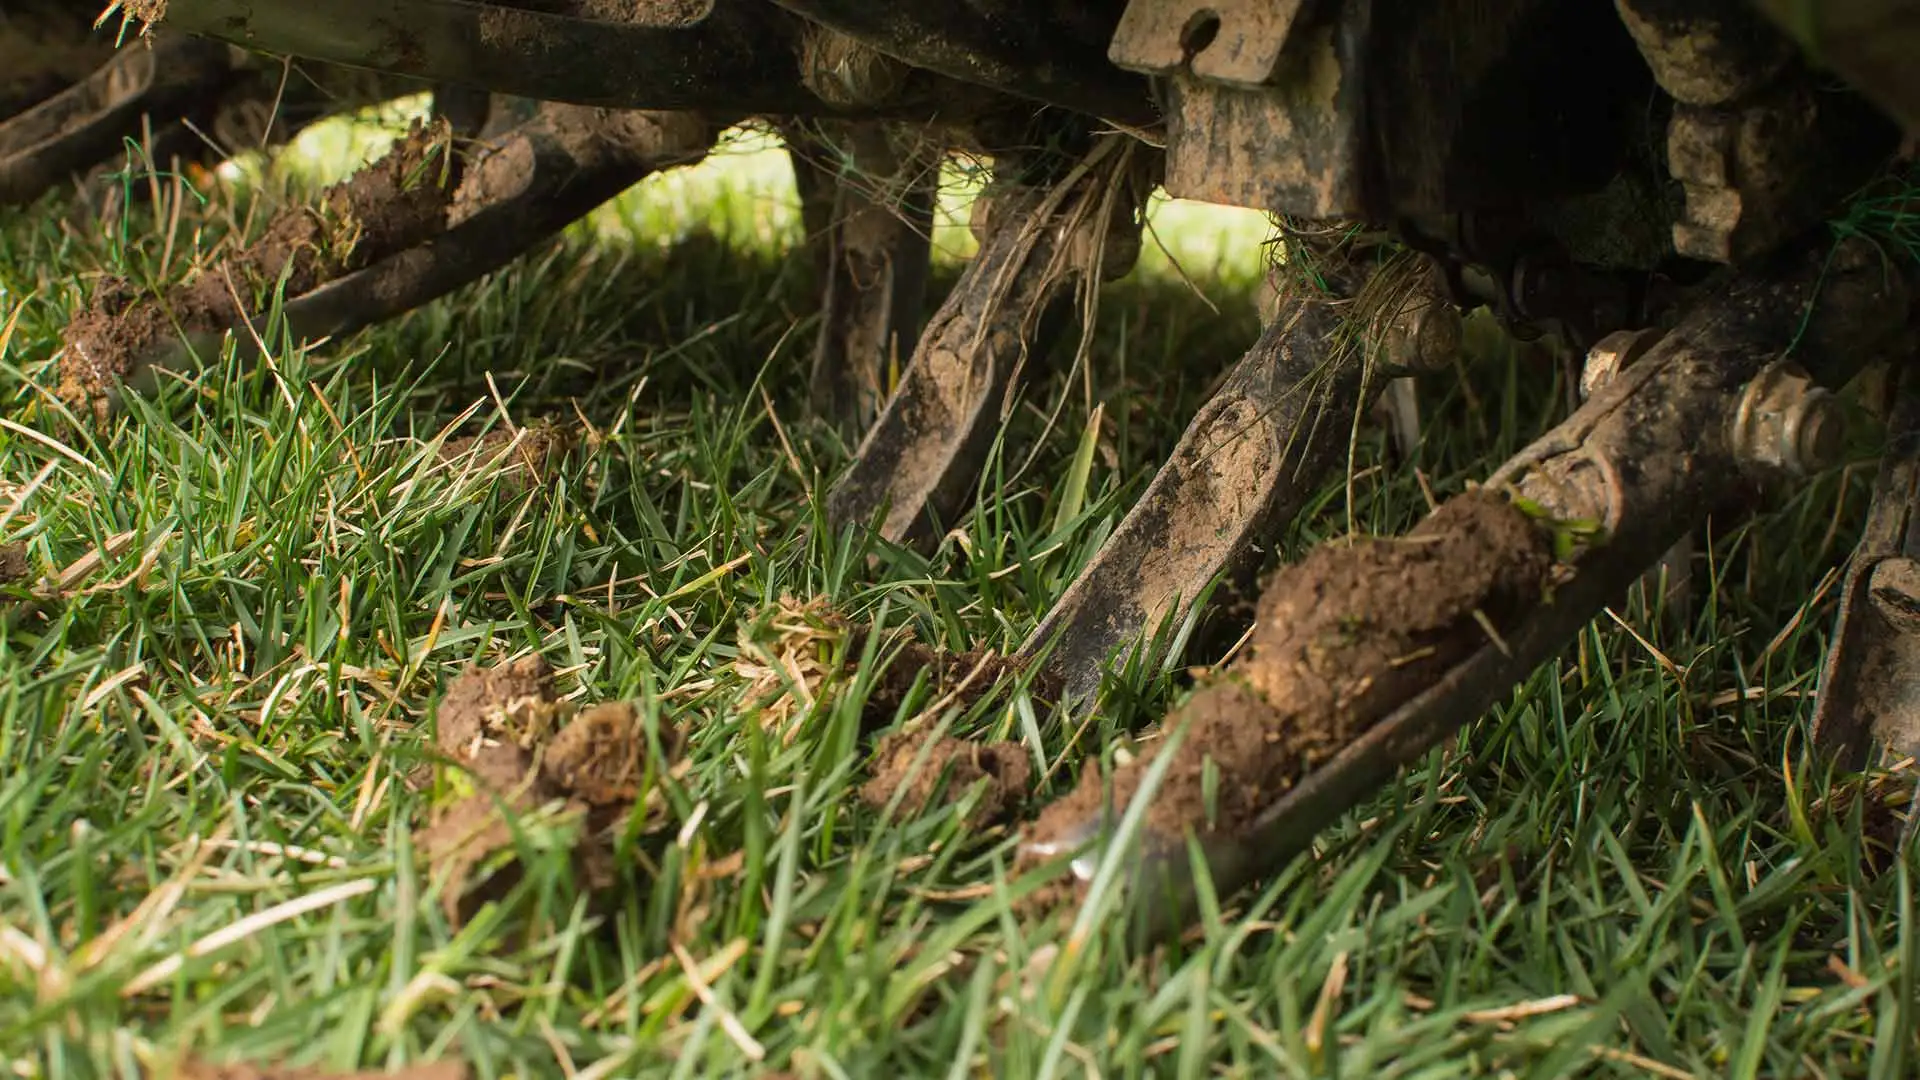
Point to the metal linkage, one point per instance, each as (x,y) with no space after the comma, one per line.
(1639,465)
(867,201)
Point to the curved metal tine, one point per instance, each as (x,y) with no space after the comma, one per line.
(1869,694)
(871,199)
(1647,484)
(723,54)
(88,122)
(1247,463)
(538,179)
(1249,460)
(923,455)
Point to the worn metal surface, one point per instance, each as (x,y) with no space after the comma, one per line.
(1761,171)
(734,58)
(1706,52)
(1787,423)
(924,453)
(1297,146)
(1871,43)
(1052,51)
(1869,694)
(1238,42)
(1646,459)
(524,187)
(1424,109)
(867,202)
(1612,354)
(1669,583)
(89,122)
(1246,464)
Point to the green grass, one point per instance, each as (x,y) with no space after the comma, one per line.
(1630,867)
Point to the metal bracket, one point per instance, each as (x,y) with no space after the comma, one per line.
(1237,42)
(1870,685)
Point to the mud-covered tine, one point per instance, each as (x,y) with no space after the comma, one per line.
(88,122)
(1643,462)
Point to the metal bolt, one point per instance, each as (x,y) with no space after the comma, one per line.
(1787,422)
(1612,354)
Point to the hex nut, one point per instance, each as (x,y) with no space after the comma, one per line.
(1787,422)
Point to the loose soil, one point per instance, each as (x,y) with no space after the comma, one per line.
(950,769)
(800,640)
(13,563)
(516,462)
(521,751)
(147,11)
(1342,638)
(947,673)
(395,203)
(785,659)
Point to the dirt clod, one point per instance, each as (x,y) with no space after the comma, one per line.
(518,460)
(525,756)
(1342,638)
(950,769)
(13,563)
(491,702)
(393,204)
(967,676)
(787,658)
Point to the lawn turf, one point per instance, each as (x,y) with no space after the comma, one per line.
(216,691)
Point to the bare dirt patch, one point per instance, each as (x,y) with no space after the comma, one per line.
(525,756)
(393,204)
(949,769)
(1342,638)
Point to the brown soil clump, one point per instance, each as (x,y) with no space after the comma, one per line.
(1883,799)
(200,1070)
(968,676)
(13,563)
(491,703)
(148,12)
(1342,639)
(518,460)
(524,755)
(789,658)
(395,203)
(786,659)
(950,769)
